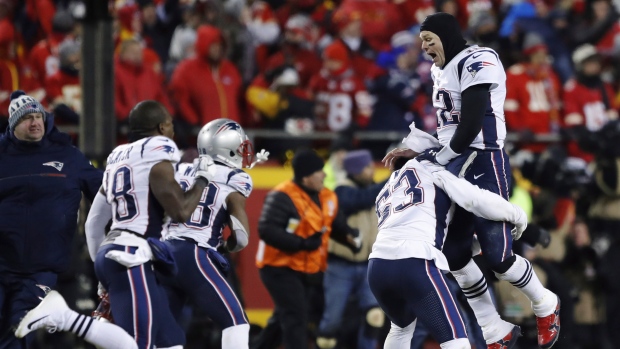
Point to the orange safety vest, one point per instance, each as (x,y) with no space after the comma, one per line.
(312,219)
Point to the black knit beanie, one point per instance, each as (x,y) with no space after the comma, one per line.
(447,28)
(306,162)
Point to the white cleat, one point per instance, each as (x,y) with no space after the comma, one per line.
(48,314)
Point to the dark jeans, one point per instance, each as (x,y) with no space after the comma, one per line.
(294,294)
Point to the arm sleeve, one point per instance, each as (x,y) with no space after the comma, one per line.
(278,209)
(98,217)
(340,228)
(351,200)
(474,102)
(480,202)
(90,178)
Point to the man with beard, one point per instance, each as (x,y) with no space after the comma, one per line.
(588,102)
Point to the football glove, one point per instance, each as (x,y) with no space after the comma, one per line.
(205,167)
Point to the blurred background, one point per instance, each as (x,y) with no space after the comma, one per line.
(338,76)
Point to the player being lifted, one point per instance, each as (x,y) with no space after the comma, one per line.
(201,269)
(469,91)
(414,209)
(139,193)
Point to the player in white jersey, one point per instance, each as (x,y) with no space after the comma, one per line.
(469,92)
(193,243)
(138,194)
(415,208)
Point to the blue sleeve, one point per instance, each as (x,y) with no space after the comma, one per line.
(90,177)
(352,200)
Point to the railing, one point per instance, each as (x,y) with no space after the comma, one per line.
(391,136)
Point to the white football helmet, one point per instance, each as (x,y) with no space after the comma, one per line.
(226,142)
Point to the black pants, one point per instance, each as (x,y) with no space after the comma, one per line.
(294,294)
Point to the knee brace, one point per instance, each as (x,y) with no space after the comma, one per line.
(374,322)
(326,343)
(236,337)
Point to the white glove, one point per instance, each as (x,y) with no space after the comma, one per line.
(520,224)
(260,157)
(205,167)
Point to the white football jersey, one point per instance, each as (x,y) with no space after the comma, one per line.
(206,224)
(413,216)
(126,184)
(473,66)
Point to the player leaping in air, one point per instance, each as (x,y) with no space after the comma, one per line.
(414,209)
(469,89)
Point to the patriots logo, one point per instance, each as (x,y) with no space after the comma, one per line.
(233,126)
(476,66)
(33,106)
(55,164)
(164,148)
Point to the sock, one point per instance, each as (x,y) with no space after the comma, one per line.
(474,286)
(236,337)
(102,334)
(399,338)
(459,343)
(522,276)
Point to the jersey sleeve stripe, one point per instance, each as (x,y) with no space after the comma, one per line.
(143,144)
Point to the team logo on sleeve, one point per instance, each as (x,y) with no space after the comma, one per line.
(164,148)
(477,66)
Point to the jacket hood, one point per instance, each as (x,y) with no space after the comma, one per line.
(207,35)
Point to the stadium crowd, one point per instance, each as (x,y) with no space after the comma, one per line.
(343,66)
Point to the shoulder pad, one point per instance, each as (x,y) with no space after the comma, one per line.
(160,148)
(240,181)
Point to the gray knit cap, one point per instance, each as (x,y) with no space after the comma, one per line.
(22,105)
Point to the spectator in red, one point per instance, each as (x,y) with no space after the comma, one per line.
(262,32)
(588,101)
(43,59)
(133,82)
(63,90)
(532,103)
(342,101)
(207,86)
(41,12)
(348,22)
(9,75)
(298,48)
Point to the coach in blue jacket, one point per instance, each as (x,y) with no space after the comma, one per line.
(42,178)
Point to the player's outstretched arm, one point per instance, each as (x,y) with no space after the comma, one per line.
(238,222)
(178,204)
(98,217)
(480,202)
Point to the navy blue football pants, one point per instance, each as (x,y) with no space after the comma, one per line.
(414,288)
(18,295)
(138,302)
(200,282)
(489,170)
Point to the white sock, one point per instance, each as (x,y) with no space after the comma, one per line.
(104,335)
(474,286)
(399,338)
(460,343)
(522,276)
(236,337)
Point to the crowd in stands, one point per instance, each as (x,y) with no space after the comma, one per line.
(345,65)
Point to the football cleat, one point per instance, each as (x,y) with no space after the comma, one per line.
(48,314)
(103,311)
(509,341)
(549,328)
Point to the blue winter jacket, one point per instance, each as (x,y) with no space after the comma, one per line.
(41,185)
